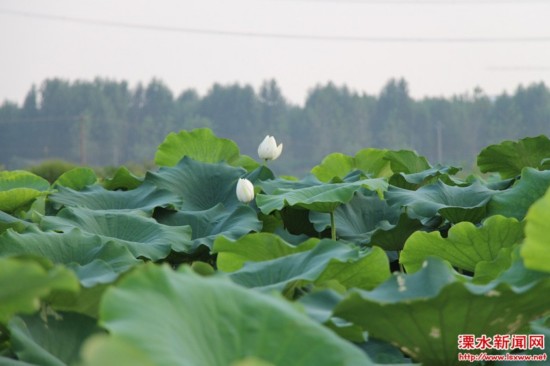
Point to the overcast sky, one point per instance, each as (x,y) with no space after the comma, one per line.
(440,47)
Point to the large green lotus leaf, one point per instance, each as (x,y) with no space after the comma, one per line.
(101,350)
(8,221)
(272,185)
(540,326)
(4,361)
(143,236)
(359,218)
(246,162)
(86,301)
(465,245)
(319,305)
(256,247)
(51,340)
(22,179)
(374,162)
(199,144)
(515,201)
(76,178)
(211,321)
(145,198)
(393,236)
(414,181)
(216,222)
(259,174)
(486,271)
(510,157)
(334,165)
(16,198)
(24,281)
(122,179)
(536,249)
(384,353)
(327,261)
(201,186)
(92,259)
(406,161)
(19,188)
(296,221)
(424,313)
(453,203)
(323,197)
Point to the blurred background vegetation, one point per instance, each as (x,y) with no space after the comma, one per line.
(106,123)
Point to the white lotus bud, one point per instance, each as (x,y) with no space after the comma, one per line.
(245,190)
(268,149)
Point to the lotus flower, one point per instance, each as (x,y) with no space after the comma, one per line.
(268,149)
(245,190)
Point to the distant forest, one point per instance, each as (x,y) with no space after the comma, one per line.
(105,122)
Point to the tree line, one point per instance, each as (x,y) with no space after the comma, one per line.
(105,122)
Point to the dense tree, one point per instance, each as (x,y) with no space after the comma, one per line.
(104,122)
(392,116)
(235,113)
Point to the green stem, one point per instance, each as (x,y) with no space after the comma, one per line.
(332,226)
(401,267)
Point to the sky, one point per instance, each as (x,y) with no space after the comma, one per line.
(441,47)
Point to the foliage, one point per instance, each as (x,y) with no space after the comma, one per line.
(199,308)
(105,122)
(509,158)
(164,269)
(51,170)
(19,188)
(536,251)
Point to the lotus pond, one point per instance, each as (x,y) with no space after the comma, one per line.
(376,258)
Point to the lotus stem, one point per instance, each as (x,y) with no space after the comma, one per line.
(332,226)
